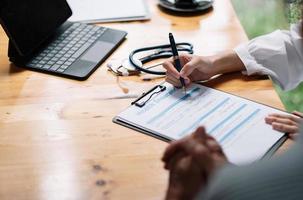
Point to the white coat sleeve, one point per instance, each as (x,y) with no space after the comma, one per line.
(278,54)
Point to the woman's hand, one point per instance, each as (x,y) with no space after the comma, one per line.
(286,123)
(195,68)
(200,68)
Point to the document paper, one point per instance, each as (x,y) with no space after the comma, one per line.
(108,10)
(236,123)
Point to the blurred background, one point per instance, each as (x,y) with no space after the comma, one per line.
(259,17)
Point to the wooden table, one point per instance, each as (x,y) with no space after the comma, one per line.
(57,140)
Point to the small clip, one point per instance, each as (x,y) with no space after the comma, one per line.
(152,92)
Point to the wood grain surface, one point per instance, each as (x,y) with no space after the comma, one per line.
(57,139)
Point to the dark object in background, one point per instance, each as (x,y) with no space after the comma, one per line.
(186,6)
(41,38)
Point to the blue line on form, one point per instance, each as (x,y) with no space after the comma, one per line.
(238,126)
(196,123)
(227,118)
(173,105)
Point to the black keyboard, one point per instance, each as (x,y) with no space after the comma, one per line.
(67,48)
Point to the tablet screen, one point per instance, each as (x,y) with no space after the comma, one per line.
(29,23)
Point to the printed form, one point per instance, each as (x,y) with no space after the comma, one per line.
(236,123)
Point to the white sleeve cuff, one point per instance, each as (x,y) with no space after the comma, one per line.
(252,67)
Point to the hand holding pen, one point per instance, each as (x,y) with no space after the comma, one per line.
(200,68)
(193,68)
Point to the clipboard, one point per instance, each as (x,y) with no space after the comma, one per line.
(150,132)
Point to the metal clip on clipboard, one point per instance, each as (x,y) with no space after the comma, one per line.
(152,92)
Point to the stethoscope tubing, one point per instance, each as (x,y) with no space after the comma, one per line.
(162,53)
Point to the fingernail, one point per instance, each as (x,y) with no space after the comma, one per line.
(187,81)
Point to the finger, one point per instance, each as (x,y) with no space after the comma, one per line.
(187,81)
(170,68)
(299,114)
(286,116)
(285,121)
(269,120)
(201,154)
(293,136)
(172,80)
(185,58)
(173,148)
(213,145)
(174,159)
(285,128)
(181,174)
(208,140)
(176,82)
(200,135)
(198,150)
(192,145)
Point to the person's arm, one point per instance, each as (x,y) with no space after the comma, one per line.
(199,68)
(278,54)
(226,62)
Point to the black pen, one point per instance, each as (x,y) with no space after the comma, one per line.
(176,58)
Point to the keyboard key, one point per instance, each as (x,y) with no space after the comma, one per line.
(60,70)
(71,59)
(68,63)
(71,52)
(38,66)
(81,50)
(50,62)
(57,49)
(55,67)
(46,66)
(59,62)
(64,66)
(42,62)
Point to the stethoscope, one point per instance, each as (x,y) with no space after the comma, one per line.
(161,51)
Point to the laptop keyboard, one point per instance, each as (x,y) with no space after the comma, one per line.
(67,48)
